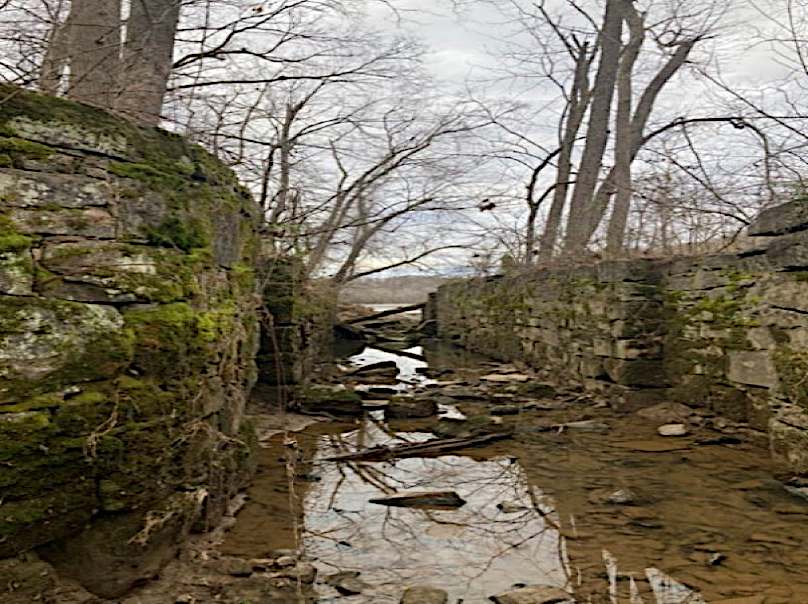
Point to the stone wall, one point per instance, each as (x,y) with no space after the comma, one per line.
(728,332)
(128,330)
(297,330)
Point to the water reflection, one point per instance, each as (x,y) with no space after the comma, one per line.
(707,519)
(407,364)
(473,552)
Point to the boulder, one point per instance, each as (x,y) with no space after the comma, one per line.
(786,218)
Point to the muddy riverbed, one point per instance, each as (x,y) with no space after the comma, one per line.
(582,497)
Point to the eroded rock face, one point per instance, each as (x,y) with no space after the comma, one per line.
(128,331)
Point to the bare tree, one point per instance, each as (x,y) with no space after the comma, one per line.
(147,57)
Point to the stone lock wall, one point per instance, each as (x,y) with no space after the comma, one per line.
(296,330)
(128,330)
(728,332)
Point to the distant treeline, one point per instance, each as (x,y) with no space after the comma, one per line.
(392,290)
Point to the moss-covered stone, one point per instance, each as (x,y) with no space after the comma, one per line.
(128,329)
(48,344)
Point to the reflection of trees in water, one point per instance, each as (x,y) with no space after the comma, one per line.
(473,552)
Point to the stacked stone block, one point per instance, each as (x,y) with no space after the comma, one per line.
(728,332)
(128,329)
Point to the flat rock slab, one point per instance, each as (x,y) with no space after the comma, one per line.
(422,499)
(424,595)
(672,430)
(505,377)
(410,408)
(536,594)
(651,446)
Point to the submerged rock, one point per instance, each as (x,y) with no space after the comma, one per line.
(621,497)
(505,409)
(588,424)
(347,582)
(536,594)
(422,499)
(424,595)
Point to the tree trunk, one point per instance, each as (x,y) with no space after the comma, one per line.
(623,135)
(94,33)
(57,55)
(641,114)
(598,130)
(148,55)
(579,102)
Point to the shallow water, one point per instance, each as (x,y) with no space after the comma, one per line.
(472,552)
(705,523)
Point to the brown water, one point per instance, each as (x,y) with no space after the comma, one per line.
(706,523)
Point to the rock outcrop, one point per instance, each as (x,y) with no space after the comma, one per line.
(128,330)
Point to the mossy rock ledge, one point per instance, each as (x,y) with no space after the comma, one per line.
(128,335)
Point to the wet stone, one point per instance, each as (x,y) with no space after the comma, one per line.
(589,425)
(672,430)
(505,377)
(400,408)
(505,410)
(303,572)
(537,594)
(237,567)
(424,595)
(621,497)
(347,583)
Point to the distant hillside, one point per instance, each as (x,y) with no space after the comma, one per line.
(392,290)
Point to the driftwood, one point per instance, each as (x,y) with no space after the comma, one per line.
(430,447)
(386,313)
(403,353)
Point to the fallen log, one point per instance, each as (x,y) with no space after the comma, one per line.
(386,313)
(430,447)
(402,353)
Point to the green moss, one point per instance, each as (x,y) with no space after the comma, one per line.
(12,145)
(10,239)
(81,343)
(147,173)
(792,369)
(181,233)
